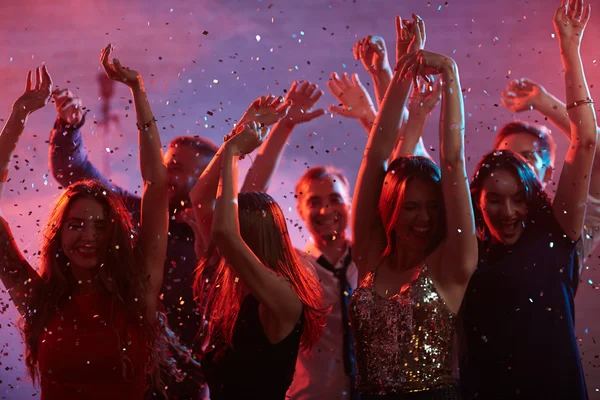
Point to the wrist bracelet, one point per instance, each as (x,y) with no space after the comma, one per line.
(146,125)
(579,102)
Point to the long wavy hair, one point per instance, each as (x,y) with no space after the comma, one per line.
(122,276)
(220,293)
(536,199)
(400,172)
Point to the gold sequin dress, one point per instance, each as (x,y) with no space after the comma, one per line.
(403,343)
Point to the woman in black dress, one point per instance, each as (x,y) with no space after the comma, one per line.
(517,315)
(262,302)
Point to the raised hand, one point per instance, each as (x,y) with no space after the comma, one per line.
(372,51)
(354,98)
(68,105)
(35,96)
(570,20)
(523,95)
(302,97)
(246,138)
(410,36)
(423,64)
(117,72)
(189,217)
(425,96)
(266,110)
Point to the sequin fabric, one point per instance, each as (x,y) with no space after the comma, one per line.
(403,343)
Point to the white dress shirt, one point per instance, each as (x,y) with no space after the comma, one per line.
(320,372)
(591,231)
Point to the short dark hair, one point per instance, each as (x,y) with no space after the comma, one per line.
(540,132)
(319,173)
(202,145)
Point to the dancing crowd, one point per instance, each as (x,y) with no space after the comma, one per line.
(447,288)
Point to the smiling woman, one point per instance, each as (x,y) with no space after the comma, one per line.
(90,315)
(517,316)
(84,236)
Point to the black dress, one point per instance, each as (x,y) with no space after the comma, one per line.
(253,368)
(516,321)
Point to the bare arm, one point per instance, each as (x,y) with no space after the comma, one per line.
(524,95)
(573,186)
(367,230)
(381,81)
(457,256)
(18,277)
(265,110)
(154,221)
(154,217)
(303,97)
(420,104)
(272,291)
(258,178)
(203,196)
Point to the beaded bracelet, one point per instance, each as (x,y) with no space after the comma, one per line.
(579,102)
(146,125)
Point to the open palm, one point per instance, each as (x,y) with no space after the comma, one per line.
(35,96)
(303,98)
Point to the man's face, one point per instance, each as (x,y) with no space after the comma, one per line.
(184,166)
(323,206)
(530,148)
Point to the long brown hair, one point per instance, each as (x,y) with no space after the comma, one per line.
(122,276)
(401,171)
(219,292)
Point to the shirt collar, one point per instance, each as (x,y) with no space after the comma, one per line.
(312,250)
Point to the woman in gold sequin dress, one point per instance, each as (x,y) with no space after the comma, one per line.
(414,241)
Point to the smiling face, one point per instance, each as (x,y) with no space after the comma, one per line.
(418,222)
(502,201)
(323,206)
(85,235)
(531,149)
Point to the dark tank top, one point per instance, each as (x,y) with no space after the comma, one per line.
(252,367)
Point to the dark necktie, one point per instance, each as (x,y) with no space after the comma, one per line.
(345,295)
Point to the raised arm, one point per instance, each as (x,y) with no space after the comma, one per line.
(155,209)
(354,100)
(570,20)
(455,260)
(367,230)
(266,110)
(272,291)
(303,97)
(68,159)
(420,104)
(18,277)
(374,56)
(524,95)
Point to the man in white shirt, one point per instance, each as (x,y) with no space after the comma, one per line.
(327,370)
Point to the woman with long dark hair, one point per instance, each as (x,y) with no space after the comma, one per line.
(414,242)
(516,325)
(261,302)
(90,313)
